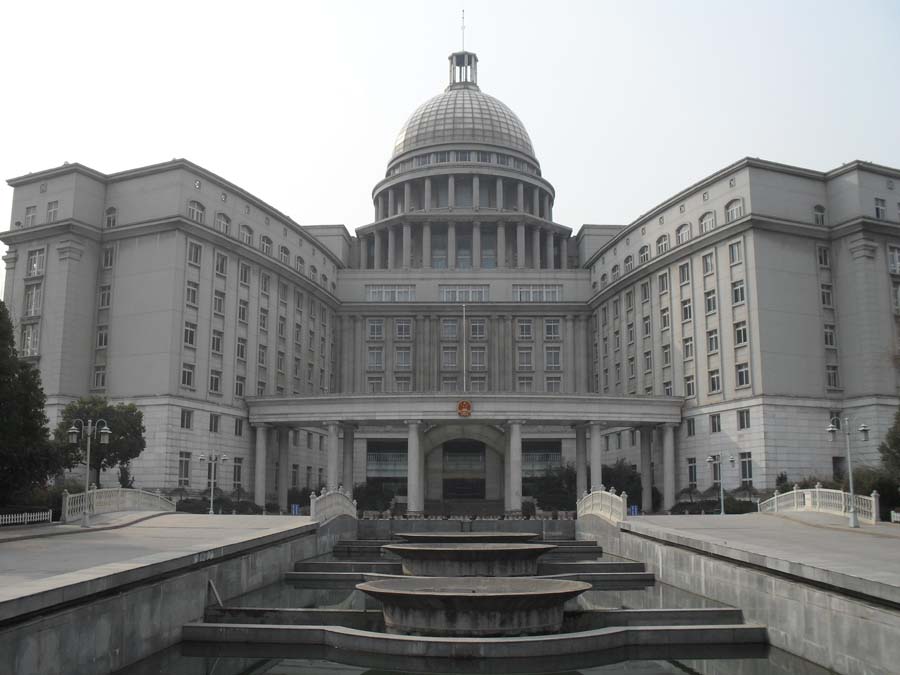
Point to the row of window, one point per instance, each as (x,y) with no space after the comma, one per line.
(477,329)
(477,358)
(735,256)
(478,156)
(51,215)
(745,466)
(375,384)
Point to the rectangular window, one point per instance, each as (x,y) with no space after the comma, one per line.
(215,381)
(629,300)
(831,377)
(735,252)
(826,295)
(689,391)
(282,326)
(374,385)
(684,273)
(190,334)
(478,360)
(552,329)
(477,329)
(105,296)
(664,318)
(691,426)
(617,340)
(375,359)
(403,329)
(537,292)
(35,263)
(449,329)
(244,274)
(261,388)
(692,471)
(687,311)
(746,469)
(715,423)
(263,318)
(237,471)
(108,253)
(192,293)
(238,428)
(687,348)
(221,264)
(552,358)
(648,361)
(662,282)
(737,292)
(187,375)
(823,253)
(715,381)
(243,310)
(525,384)
(646,326)
(710,300)
(31,339)
(53,211)
(403,384)
(524,360)
(525,329)
(708,265)
(264,284)
(880,209)
(712,341)
(830,340)
(240,383)
(667,388)
(262,354)
(99,377)
(279,362)
(615,307)
(449,383)
(184,467)
(375,329)
(629,330)
(645,291)
(194,251)
(743,418)
(449,356)
(742,374)
(740,333)
(666,354)
(214,423)
(187,418)
(30,215)
(33,299)
(219,302)
(553,384)
(631,369)
(403,358)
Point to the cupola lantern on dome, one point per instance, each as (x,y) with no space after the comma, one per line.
(463,70)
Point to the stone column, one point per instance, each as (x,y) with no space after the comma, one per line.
(549,248)
(596,456)
(476,193)
(536,202)
(668,466)
(347,468)
(359,343)
(536,247)
(501,245)
(580,460)
(585,354)
(476,245)
(407,246)
(284,466)
(391,206)
(407,197)
(426,245)
(451,192)
(548,213)
(451,246)
(520,196)
(427,194)
(520,245)
(499,194)
(392,248)
(259,477)
(515,467)
(570,357)
(563,252)
(415,490)
(379,207)
(377,235)
(334,457)
(646,472)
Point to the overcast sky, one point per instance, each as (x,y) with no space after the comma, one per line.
(300,102)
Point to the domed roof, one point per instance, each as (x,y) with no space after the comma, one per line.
(463,114)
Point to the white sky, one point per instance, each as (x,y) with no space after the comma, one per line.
(299,103)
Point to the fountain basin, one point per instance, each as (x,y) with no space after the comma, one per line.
(472,607)
(467,537)
(469,560)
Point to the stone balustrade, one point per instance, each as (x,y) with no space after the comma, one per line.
(604,503)
(110,500)
(330,504)
(824,501)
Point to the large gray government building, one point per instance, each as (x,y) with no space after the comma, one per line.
(463,342)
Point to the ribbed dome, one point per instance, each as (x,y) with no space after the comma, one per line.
(463,114)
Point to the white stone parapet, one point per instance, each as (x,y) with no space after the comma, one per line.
(824,501)
(109,500)
(330,504)
(604,503)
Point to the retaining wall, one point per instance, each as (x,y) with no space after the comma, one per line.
(545,529)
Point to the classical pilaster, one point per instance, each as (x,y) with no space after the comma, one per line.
(377,235)
(563,252)
(501,245)
(347,478)
(407,245)
(548,247)
(282,434)
(334,457)
(427,194)
(536,247)
(360,360)
(259,475)
(596,455)
(582,355)
(520,245)
(391,205)
(569,356)
(415,489)
(668,444)
(426,245)
(379,207)
(451,192)
(514,504)
(520,196)
(548,213)
(451,246)
(536,202)
(392,248)
(499,193)
(580,460)
(407,197)
(476,245)
(646,471)
(476,193)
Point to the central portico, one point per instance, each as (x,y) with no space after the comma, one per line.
(459,448)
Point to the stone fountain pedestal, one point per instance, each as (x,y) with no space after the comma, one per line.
(467,537)
(469,560)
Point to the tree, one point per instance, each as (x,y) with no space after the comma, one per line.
(890,449)
(126,424)
(27,457)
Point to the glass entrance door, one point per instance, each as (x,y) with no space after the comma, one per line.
(463,474)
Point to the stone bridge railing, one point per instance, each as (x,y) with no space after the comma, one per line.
(109,500)
(330,504)
(604,503)
(824,501)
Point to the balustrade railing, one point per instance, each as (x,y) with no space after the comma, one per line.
(604,503)
(824,501)
(109,500)
(330,504)
(26,518)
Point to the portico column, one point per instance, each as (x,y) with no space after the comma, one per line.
(426,245)
(580,460)
(499,194)
(520,196)
(377,235)
(331,480)
(451,246)
(476,193)
(563,252)
(392,248)
(548,215)
(451,192)
(549,250)
(501,244)
(668,466)
(379,207)
(283,436)
(407,197)
(596,456)
(347,472)
(427,194)
(536,202)
(415,502)
(536,247)
(407,245)
(476,245)
(259,477)
(390,202)
(646,472)
(515,467)
(520,245)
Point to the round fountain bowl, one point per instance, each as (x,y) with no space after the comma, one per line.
(469,560)
(472,607)
(467,537)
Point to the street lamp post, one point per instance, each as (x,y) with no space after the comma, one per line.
(711,460)
(214,461)
(79,427)
(832,432)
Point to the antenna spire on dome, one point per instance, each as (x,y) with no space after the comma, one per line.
(463,28)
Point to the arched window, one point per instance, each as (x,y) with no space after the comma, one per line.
(111,216)
(629,263)
(603,280)
(246,235)
(265,245)
(196,211)
(615,272)
(644,254)
(734,210)
(682,234)
(300,265)
(662,244)
(313,272)
(707,222)
(223,223)
(819,214)
(284,255)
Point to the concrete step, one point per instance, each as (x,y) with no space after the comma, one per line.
(383,567)
(590,566)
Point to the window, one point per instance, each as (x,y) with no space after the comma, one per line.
(630,333)
(214,423)
(830,340)
(196,211)
(243,310)
(375,360)
(240,382)
(403,329)
(715,423)
(743,418)
(194,251)
(524,360)
(689,391)
(30,215)
(819,214)
(617,340)
(682,234)
(525,331)
(707,222)
(664,318)
(826,295)
(264,284)
(645,291)
(615,306)
(631,369)
(629,263)
(187,418)
(33,295)
(553,384)
(375,329)
(238,430)
(105,296)
(734,210)
(284,255)
(667,388)
(184,467)
(260,387)
(629,300)
(692,470)
(684,273)
(449,329)
(262,354)
(646,322)
(223,223)
(708,264)
(687,348)
(666,354)
(265,245)
(99,377)
(537,292)
(111,217)
(615,272)
(279,362)
(219,302)
(823,253)
(34,266)
(880,210)
(831,377)
(710,300)
(53,211)
(737,292)
(402,357)
(691,426)
(215,345)
(525,384)
(712,341)
(662,244)
(552,358)
(644,254)
(746,464)
(108,253)
(648,361)
(478,358)
(455,293)
(740,333)
(477,329)
(715,381)
(263,318)
(190,334)
(663,282)
(191,293)
(238,466)
(187,375)
(735,252)
(687,311)
(282,326)
(742,374)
